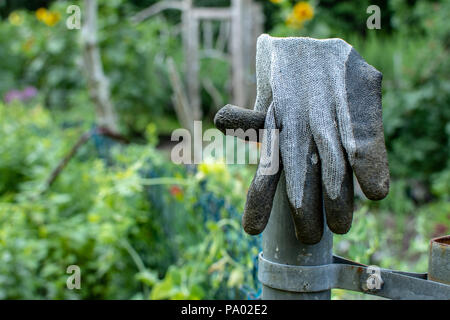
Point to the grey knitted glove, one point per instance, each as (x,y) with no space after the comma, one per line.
(325,100)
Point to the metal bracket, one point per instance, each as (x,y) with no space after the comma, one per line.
(350,275)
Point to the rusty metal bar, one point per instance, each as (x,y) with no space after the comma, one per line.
(439,260)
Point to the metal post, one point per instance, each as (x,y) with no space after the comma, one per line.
(439,260)
(281,246)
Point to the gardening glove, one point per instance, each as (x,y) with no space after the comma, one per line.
(325,100)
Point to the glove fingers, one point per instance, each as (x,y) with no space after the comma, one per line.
(259,202)
(236,121)
(339,211)
(264,185)
(332,157)
(308,219)
(361,127)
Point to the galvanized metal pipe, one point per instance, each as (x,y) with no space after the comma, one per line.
(281,246)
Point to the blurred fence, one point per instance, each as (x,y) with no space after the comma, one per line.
(209,206)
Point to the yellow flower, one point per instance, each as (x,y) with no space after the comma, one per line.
(41,14)
(53,19)
(303,11)
(48,17)
(212,168)
(15,19)
(93,218)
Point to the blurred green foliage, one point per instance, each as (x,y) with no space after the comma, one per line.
(132,233)
(133,56)
(140,227)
